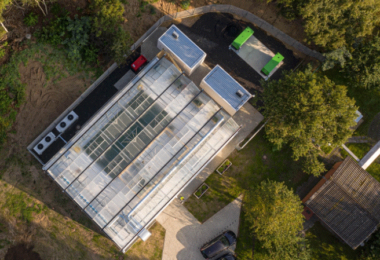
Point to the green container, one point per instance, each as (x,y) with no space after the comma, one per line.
(272,64)
(242,38)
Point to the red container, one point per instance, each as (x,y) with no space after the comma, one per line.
(136,65)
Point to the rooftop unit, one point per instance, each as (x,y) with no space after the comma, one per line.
(185,52)
(226,91)
(44,143)
(67,121)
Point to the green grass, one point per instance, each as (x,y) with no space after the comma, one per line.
(325,246)
(249,169)
(360,150)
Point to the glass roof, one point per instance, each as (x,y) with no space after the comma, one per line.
(142,151)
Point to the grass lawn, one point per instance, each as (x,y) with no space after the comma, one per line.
(249,169)
(360,150)
(326,246)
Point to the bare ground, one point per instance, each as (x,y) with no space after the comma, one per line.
(61,230)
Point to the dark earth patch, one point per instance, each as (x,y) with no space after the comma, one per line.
(374,128)
(21,252)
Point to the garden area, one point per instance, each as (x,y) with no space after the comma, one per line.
(255,163)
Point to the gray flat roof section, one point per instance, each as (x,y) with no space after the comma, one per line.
(225,85)
(184,48)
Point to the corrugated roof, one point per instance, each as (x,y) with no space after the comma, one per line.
(221,82)
(184,48)
(348,203)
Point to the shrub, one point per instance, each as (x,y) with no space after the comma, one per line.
(78,31)
(152,10)
(185,4)
(2,49)
(121,45)
(31,19)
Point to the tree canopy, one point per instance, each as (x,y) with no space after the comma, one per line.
(336,23)
(305,111)
(363,70)
(275,215)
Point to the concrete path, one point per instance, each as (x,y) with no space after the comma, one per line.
(185,234)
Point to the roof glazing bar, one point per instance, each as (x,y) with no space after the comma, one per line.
(174,168)
(175,155)
(162,130)
(50,163)
(183,186)
(123,132)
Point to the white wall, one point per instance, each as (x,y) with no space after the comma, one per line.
(218,99)
(370,156)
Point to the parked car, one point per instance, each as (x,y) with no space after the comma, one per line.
(139,63)
(218,244)
(228,256)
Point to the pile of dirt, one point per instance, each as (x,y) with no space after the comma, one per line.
(22,251)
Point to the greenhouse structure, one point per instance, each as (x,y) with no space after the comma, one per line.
(141,149)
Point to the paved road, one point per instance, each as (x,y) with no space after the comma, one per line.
(185,234)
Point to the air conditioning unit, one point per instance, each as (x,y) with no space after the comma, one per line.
(44,143)
(67,121)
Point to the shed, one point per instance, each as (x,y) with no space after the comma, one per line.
(347,201)
(185,52)
(225,90)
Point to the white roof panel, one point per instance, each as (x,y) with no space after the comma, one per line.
(180,45)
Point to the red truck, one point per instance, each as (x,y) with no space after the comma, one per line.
(138,63)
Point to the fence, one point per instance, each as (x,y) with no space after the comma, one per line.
(239,12)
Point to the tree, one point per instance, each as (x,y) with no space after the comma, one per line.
(108,16)
(336,57)
(121,46)
(364,68)
(336,23)
(275,215)
(305,111)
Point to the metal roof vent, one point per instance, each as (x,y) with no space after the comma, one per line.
(175,35)
(239,94)
(144,234)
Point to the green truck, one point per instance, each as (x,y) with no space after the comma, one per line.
(242,38)
(272,64)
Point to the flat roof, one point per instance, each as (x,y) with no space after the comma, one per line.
(227,87)
(141,149)
(181,46)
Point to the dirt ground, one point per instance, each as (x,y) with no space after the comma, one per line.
(61,231)
(21,251)
(43,103)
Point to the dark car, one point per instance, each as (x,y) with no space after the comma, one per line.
(218,244)
(227,257)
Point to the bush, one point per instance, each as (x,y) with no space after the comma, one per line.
(78,31)
(2,49)
(31,19)
(108,14)
(121,45)
(185,4)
